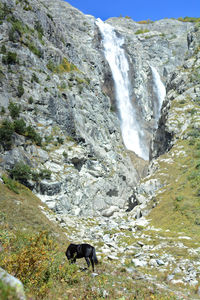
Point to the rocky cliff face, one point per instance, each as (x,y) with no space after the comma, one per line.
(53,69)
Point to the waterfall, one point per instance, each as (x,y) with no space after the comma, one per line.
(132,134)
(160,92)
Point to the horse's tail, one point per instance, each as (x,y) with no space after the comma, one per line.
(94,257)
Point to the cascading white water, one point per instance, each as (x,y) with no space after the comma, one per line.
(159,90)
(115,55)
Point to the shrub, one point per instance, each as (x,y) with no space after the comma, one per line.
(10,58)
(33,135)
(45,174)
(30,100)
(11,184)
(3,110)
(51,66)
(21,172)
(6,132)
(20,89)
(38,263)
(189,19)
(179,198)
(14,110)
(34,78)
(140,31)
(65,155)
(60,140)
(148,21)
(65,66)
(3,49)
(48,78)
(194,132)
(39,29)
(34,50)
(20,126)
(42,174)
(4,11)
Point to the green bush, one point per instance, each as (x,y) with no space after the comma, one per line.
(33,135)
(45,174)
(42,174)
(51,66)
(195,132)
(34,50)
(3,110)
(11,184)
(20,89)
(14,110)
(4,11)
(60,140)
(189,19)
(17,29)
(21,172)
(30,100)
(3,49)
(65,155)
(10,58)
(140,31)
(20,126)
(34,78)
(39,29)
(6,132)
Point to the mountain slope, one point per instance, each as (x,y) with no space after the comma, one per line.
(60,136)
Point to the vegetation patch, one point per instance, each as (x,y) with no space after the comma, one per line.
(178,205)
(141,31)
(65,66)
(10,58)
(189,19)
(148,21)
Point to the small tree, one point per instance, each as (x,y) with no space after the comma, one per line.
(33,135)
(14,109)
(21,172)
(20,89)
(10,58)
(6,132)
(20,126)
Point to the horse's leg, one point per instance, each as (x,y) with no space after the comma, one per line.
(92,262)
(87,261)
(72,260)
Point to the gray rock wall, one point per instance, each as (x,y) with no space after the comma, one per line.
(68,99)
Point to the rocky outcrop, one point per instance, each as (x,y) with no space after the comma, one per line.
(14,283)
(182,98)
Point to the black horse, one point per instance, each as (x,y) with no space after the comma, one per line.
(82,250)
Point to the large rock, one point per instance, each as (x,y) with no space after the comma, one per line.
(14,283)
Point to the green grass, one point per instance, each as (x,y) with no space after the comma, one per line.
(178,206)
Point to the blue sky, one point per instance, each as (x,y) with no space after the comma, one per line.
(138,9)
